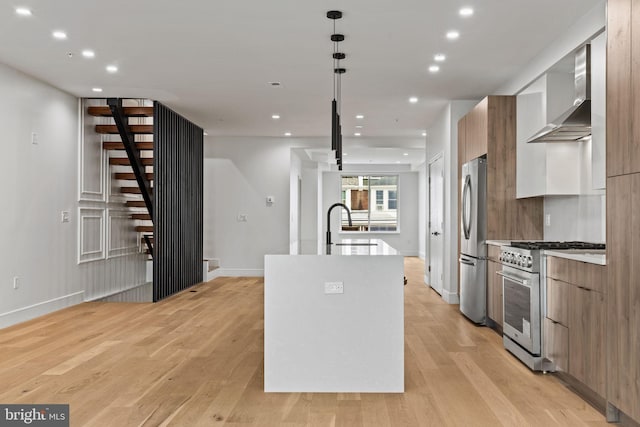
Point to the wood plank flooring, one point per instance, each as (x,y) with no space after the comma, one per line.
(197,359)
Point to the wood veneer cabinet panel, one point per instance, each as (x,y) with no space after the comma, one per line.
(507,217)
(623,293)
(556,344)
(493,253)
(494,292)
(587,319)
(634,76)
(619,88)
(557,301)
(584,274)
(476,126)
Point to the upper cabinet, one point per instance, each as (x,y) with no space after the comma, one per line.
(561,168)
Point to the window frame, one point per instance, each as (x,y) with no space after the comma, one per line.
(373,201)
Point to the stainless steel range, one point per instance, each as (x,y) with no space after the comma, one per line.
(524,297)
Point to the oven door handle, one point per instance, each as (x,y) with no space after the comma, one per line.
(523,282)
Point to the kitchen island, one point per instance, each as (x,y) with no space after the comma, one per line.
(335,323)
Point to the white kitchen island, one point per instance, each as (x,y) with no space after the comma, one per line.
(320,340)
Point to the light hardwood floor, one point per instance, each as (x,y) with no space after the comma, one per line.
(197,359)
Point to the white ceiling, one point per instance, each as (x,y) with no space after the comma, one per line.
(212,61)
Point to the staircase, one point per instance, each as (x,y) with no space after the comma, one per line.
(130,161)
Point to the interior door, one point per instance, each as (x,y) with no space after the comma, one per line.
(436,224)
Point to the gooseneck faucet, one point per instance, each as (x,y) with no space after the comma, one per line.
(329,222)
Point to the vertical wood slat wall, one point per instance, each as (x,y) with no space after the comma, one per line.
(178,198)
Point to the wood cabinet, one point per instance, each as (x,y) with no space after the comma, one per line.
(494,286)
(490,128)
(623,293)
(576,319)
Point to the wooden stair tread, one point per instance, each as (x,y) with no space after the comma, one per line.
(135,204)
(130,176)
(144,228)
(105,111)
(124,161)
(112,145)
(141,216)
(131,190)
(113,129)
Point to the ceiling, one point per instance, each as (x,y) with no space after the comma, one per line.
(212,61)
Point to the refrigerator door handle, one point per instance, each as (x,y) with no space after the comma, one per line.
(466,261)
(466,207)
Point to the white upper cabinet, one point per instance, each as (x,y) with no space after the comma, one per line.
(565,168)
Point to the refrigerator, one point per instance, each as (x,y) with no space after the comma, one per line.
(473,234)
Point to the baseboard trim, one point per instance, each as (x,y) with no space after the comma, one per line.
(122,291)
(235,272)
(23,314)
(422,255)
(450,297)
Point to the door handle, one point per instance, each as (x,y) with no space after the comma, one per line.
(467,262)
(435,233)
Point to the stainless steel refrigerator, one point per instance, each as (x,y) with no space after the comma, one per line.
(473,234)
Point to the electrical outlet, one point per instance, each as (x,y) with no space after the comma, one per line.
(241,218)
(34,138)
(16,282)
(333,287)
(547,220)
(64,216)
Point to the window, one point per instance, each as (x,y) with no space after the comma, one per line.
(375,214)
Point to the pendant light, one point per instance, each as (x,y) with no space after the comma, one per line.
(336,127)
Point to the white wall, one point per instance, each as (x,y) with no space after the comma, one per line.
(442,137)
(423,194)
(39,182)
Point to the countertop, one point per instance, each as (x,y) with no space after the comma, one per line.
(350,247)
(592,256)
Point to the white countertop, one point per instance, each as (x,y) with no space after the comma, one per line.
(349,247)
(592,256)
(498,242)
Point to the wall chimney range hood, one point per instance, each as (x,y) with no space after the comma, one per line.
(575,123)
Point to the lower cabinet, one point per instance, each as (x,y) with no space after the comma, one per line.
(574,328)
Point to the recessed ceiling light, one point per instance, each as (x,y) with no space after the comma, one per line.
(397,161)
(405,154)
(439,57)
(413,100)
(23,11)
(112,69)
(287,134)
(275,117)
(88,53)
(60,35)
(205,133)
(453,35)
(466,11)
(357,134)
(359,116)
(434,69)
(359,127)
(424,134)
(97,89)
(345,154)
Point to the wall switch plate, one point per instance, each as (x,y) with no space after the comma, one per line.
(241,218)
(333,287)
(547,220)
(34,138)
(16,282)
(64,216)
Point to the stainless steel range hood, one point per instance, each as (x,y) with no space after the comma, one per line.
(575,123)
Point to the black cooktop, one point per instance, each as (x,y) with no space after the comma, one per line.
(557,245)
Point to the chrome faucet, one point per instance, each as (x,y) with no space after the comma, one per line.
(329,223)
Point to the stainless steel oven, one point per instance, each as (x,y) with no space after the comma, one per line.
(521,316)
